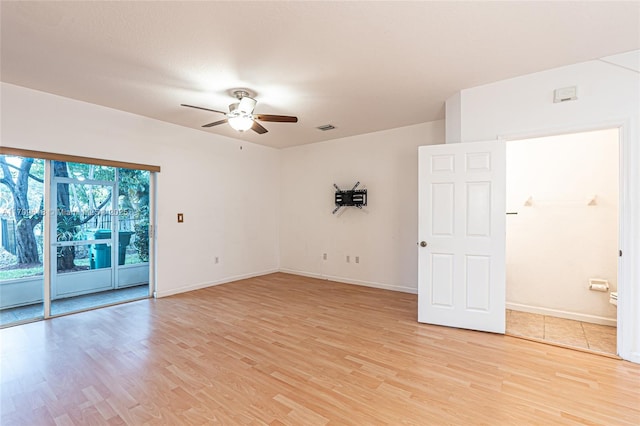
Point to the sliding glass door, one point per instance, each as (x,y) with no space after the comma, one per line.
(97,223)
(99,248)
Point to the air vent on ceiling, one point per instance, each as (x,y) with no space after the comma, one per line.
(326,127)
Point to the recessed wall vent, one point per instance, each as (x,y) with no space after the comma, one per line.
(326,127)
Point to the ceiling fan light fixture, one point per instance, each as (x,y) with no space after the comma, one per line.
(241,117)
(241,123)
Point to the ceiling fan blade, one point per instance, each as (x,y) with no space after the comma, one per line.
(215,123)
(257,127)
(246,105)
(276,118)
(206,109)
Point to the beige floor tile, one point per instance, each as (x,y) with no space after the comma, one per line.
(525,324)
(601,338)
(597,329)
(596,337)
(603,344)
(568,332)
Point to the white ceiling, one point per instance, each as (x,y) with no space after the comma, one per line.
(361,66)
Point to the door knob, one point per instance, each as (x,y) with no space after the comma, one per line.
(423,243)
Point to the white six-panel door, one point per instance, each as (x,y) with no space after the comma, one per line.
(461,273)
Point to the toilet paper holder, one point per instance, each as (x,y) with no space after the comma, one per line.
(597,284)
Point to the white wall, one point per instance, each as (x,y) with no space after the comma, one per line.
(229,196)
(608,95)
(453,114)
(383,234)
(559,241)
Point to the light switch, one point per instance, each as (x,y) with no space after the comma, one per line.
(180,217)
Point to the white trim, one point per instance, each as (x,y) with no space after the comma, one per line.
(132,265)
(46,240)
(625,291)
(576,316)
(559,131)
(115,220)
(303,274)
(153,232)
(199,286)
(373,284)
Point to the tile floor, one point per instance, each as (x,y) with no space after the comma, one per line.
(71,304)
(595,337)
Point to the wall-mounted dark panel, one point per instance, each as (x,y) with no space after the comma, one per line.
(350,198)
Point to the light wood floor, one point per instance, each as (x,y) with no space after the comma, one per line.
(282,349)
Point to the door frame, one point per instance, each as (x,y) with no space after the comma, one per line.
(625,307)
(48,248)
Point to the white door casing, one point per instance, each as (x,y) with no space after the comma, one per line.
(461,270)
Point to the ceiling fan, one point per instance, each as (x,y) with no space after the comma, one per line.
(241,116)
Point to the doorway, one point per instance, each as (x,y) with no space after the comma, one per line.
(562,239)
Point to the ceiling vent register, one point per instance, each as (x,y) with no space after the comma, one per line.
(326,127)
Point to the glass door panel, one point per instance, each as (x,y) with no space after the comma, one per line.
(83,244)
(21,239)
(133,226)
(101,242)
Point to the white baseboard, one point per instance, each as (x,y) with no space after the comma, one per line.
(633,357)
(212,283)
(562,314)
(403,289)
(302,273)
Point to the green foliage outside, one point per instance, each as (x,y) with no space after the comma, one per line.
(142,235)
(12,274)
(134,194)
(86,208)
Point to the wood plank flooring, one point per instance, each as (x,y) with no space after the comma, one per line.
(288,350)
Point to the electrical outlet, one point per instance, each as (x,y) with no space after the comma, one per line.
(357,259)
(348,259)
(324,256)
